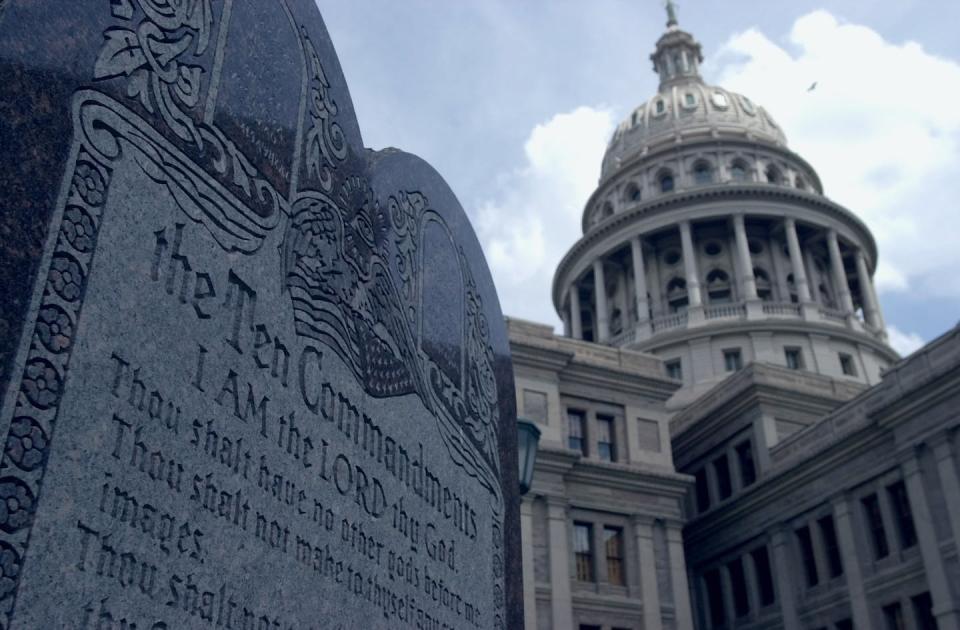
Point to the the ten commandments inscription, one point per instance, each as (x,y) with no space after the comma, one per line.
(255,375)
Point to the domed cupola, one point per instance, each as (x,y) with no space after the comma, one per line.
(678,56)
(710,243)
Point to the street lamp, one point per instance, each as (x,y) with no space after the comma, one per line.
(528,437)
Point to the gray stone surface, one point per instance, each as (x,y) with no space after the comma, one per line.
(254,375)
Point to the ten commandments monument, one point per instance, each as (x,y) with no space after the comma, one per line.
(253,375)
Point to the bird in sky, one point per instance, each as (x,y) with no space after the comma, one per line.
(812,87)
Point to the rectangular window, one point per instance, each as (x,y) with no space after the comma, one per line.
(535,406)
(844,624)
(584,626)
(649,435)
(732,360)
(606,446)
(738,580)
(893,616)
(718,614)
(674,369)
(722,468)
(794,358)
(923,612)
(748,471)
(829,534)
(903,514)
(703,491)
(613,542)
(806,554)
(878,535)
(583,551)
(576,441)
(761,564)
(847,365)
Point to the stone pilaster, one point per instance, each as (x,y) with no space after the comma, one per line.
(600,302)
(576,325)
(561,609)
(649,590)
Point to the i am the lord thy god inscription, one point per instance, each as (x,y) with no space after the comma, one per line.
(255,376)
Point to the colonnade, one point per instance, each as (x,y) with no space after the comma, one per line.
(805,290)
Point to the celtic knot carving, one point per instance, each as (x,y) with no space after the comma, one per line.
(26,443)
(152,58)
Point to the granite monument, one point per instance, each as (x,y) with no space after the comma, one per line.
(254,375)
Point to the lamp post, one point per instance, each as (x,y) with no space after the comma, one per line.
(528,438)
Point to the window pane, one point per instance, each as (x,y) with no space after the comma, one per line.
(715,597)
(748,471)
(878,535)
(903,514)
(613,541)
(923,612)
(806,554)
(722,468)
(605,438)
(703,492)
(741,603)
(583,551)
(576,440)
(829,534)
(893,617)
(761,563)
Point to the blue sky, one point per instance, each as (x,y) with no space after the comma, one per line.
(513,101)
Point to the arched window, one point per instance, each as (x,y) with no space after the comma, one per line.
(607,210)
(661,106)
(677,294)
(666,182)
(702,172)
(718,286)
(764,288)
(632,193)
(800,183)
(738,172)
(773,175)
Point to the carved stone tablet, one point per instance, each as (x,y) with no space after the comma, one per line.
(254,375)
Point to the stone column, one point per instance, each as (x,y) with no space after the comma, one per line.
(649,590)
(847,538)
(871,307)
(796,260)
(529,581)
(944,608)
(839,274)
(947,469)
(640,279)
(640,289)
(561,608)
(657,287)
(748,284)
(690,266)
(600,302)
(576,325)
(682,611)
(783,571)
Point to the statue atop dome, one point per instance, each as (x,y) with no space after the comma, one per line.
(671,13)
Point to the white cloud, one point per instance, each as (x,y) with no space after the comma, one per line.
(534,217)
(904,343)
(882,128)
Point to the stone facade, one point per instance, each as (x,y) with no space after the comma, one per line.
(728,439)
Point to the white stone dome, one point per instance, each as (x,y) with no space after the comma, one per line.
(687,110)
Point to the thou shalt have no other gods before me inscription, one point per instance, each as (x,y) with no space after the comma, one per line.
(263,378)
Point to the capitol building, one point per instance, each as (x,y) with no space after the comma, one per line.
(728,440)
